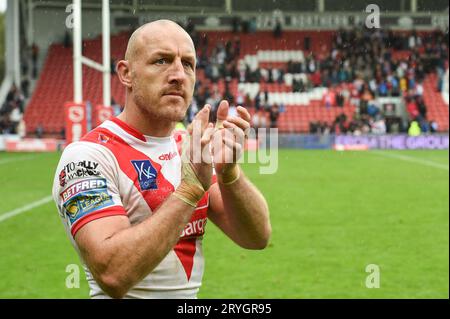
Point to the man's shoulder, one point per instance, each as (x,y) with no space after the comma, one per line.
(99,135)
(84,150)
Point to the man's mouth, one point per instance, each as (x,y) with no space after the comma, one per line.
(175,93)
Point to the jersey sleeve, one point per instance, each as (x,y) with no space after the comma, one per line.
(85,187)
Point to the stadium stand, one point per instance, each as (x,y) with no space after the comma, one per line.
(314,88)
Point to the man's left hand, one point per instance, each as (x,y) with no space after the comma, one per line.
(228,141)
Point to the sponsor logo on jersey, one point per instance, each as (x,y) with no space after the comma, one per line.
(102,138)
(146,174)
(62,178)
(85,203)
(168,156)
(194,228)
(81,169)
(98,183)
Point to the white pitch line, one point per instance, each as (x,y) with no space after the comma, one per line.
(15,159)
(413,160)
(25,208)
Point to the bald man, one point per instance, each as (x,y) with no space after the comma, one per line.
(133,200)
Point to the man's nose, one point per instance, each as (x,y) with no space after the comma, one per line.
(177,72)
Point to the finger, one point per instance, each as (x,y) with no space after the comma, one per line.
(203,116)
(216,142)
(235,130)
(222,113)
(235,149)
(205,143)
(206,138)
(230,143)
(241,123)
(243,113)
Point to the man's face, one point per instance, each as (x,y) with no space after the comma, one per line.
(163,73)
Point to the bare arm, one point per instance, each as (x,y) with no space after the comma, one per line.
(120,255)
(236,205)
(241,212)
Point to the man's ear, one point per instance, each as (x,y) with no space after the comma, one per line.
(124,73)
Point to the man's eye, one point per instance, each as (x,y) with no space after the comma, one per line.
(161,61)
(187,64)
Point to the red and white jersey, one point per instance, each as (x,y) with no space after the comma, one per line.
(115,170)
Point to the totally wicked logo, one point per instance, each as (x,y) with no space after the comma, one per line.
(146,173)
(78,170)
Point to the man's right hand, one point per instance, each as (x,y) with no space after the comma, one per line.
(196,170)
(201,132)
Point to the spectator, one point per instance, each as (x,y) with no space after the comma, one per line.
(235,22)
(414,129)
(15,117)
(274,113)
(39,131)
(340,99)
(21,129)
(329,98)
(324,128)
(245,26)
(259,121)
(365,99)
(434,127)
(277,31)
(379,126)
(25,85)
(67,39)
(313,127)
(421,107)
(113,66)
(252,25)
(412,109)
(258,101)
(24,62)
(34,59)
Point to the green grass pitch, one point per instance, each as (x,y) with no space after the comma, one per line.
(332,215)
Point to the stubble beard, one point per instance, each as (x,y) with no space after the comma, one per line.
(158,113)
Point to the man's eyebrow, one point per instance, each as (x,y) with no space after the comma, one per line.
(190,55)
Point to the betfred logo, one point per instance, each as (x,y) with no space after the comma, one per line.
(98,183)
(194,228)
(168,156)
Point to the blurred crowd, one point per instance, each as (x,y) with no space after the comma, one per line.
(362,65)
(11,113)
(12,109)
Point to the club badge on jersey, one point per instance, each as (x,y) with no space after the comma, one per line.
(146,174)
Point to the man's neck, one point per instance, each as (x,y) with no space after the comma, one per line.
(138,121)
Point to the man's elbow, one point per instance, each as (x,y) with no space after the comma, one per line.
(112,285)
(262,241)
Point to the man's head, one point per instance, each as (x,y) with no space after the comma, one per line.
(159,70)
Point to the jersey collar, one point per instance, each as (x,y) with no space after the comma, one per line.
(129,129)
